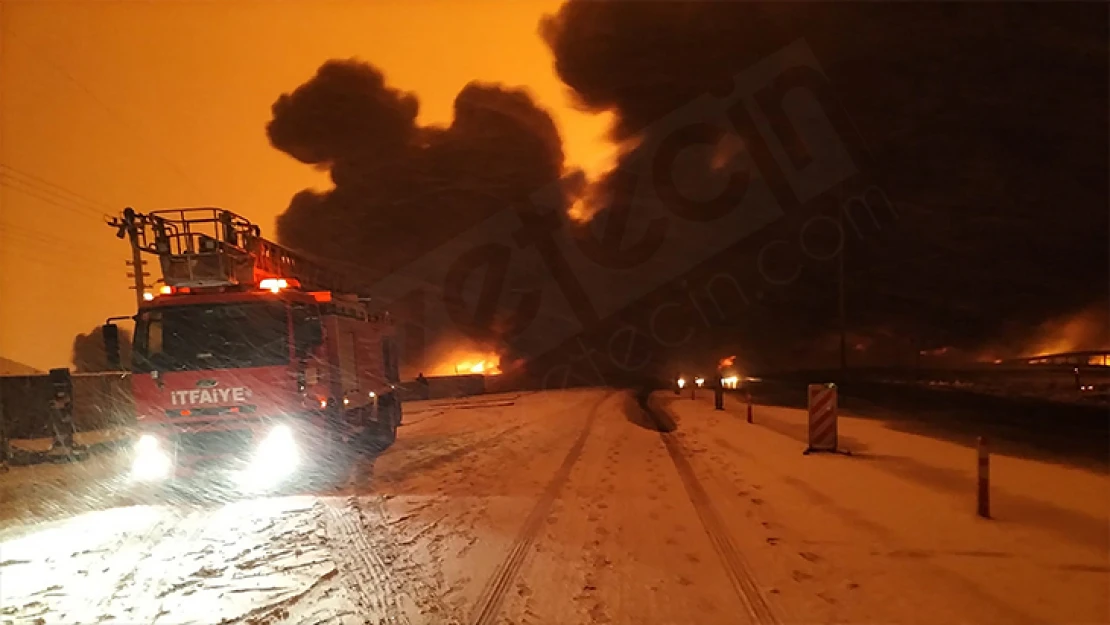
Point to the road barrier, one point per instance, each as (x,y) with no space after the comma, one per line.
(984,498)
(822,418)
(100,401)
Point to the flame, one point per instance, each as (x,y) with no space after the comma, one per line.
(1082,330)
(482,366)
(464,362)
(580,212)
(939,351)
(727,151)
(726,362)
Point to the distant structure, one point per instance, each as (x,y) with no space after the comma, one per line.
(1092,358)
(11,367)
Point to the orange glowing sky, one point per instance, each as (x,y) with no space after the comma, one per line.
(163,104)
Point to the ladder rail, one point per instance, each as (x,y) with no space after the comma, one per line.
(211,246)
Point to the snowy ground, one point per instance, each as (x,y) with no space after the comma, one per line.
(571,507)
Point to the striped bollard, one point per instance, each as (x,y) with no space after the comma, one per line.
(822,418)
(984,479)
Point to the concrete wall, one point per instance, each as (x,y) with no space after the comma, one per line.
(100,400)
(447,386)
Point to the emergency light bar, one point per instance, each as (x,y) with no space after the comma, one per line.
(275,285)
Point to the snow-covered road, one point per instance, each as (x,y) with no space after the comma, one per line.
(572,507)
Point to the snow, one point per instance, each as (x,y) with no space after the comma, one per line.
(895,523)
(571,507)
(94,438)
(148,564)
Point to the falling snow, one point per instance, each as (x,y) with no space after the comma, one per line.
(574,507)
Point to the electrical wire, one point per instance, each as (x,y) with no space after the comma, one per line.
(44,196)
(61,192)
(119,118)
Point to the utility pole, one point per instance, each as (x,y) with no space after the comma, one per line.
(840,279)
(128,226)
(137,266)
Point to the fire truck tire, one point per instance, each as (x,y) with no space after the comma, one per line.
(385,431)
(389,436)
(389,424)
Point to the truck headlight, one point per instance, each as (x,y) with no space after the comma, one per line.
(275,459)
(151,463)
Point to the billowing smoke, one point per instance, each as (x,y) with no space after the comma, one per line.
(89,352)
(402,189)
(985,123)
(1086,329)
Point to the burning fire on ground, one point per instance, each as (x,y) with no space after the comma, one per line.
(484,366)
(464,361)
(729,377)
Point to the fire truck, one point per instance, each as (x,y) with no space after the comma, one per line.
(251,357)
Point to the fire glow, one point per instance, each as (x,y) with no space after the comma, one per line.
(468,362)
(485,367)
(730,378)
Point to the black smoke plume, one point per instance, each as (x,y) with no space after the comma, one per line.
(400,188)
(985,123)
(88,353)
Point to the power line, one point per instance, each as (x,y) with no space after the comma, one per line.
(51,257)
(40,194)
(59,250)
(44,236)
(58,189)
(119,118)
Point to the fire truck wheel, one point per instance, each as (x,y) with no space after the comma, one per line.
(385,431)
(388,432)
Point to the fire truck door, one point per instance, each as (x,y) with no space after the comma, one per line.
(348,365)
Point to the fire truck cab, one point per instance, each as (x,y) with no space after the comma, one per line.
(239,362)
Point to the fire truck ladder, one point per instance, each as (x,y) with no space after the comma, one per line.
(211,247)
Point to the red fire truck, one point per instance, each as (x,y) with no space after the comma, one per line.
(250,356)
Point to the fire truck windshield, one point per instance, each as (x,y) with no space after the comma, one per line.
(212,336)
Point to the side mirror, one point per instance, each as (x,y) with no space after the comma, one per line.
(315,333)
(310,334)
(110,333)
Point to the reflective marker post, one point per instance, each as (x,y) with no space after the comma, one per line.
(823,436)
(984,478)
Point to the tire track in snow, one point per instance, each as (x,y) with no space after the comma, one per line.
(737,568)
(363,474)
(366,574)
(423,463)
(859,523)
(493,594)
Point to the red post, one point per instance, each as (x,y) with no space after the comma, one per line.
(984,479)
(748,394)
